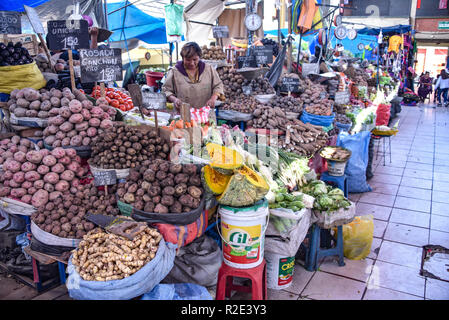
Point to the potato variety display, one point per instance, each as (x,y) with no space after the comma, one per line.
(342,118)
(313,93)
(213,53)
(103,256)
(286,103)
(122,146)
(162,187)
(303,139)
(9,146)
(322,108)
(267,117)
(32,103)
(259,86)
(232,82)
(14,54)
(243,103)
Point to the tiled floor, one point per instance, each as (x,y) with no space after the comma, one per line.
(410,205)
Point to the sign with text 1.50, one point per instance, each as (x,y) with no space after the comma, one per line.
(101,65)
(68,34)
(10,22)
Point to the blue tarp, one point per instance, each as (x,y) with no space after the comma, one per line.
(17,5)
(400,28)
(131,22)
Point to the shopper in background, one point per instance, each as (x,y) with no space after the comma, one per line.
(425,86)
(443,86)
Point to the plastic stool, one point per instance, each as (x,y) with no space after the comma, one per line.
(257,275)
(316,252)
(340,181)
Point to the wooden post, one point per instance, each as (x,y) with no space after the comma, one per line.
(72,73)
(289,27)
(106,190)
(155,119)
(102,90)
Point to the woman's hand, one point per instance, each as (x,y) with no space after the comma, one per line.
(211,101)
(177,102)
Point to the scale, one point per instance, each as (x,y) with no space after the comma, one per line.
(341,32)
(352,34)
(338,20)
(253,22)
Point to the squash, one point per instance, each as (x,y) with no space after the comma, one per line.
(245,188)
(223,159)
(214,181)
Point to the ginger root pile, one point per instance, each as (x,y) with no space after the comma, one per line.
(103,256)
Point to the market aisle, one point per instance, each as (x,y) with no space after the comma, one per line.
(409,204)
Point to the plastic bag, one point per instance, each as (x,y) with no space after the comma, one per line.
(324,121)
(178,291)
(20,77)
(357,237)
(174,19)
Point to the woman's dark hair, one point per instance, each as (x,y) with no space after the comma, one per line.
(191,49)
(444,74)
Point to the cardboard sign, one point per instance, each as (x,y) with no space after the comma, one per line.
(34,20)
(154,100)
(68,34)
(10,22)
(290,84)
(220,32)
(246,62)
(101,65)
(105,178)
(263,54)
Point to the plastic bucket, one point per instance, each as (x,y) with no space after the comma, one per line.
(152,77)
(336,168)
(279,270)
(243,234)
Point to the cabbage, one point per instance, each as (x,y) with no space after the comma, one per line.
(319,188)
(337,192)
(325,201)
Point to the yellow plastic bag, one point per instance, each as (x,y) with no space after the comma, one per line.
(358,237)
(21,76)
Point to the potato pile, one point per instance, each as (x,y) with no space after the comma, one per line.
(303,139)
(37,177)
(162,187)
(9,146)
(76,123)
(260,85)
(341,118)
(32,103)
(243,103)
(322,108)
(358,76)
(44,66)
(290,104)
(313,92)
(103,256)
(232,82)
(213,53)
(268,117)
(123,146)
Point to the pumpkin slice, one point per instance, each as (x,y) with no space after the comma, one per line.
(223,159)
(214,181)
(245,188)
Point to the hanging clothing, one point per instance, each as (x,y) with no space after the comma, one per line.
(395,43)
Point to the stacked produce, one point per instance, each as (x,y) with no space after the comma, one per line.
(259,86)
(267,117)
(303,139)
(327,198)
(322,108)
(10,146)
(243,103)
(115,97)
(334,131)
(213,53)
(32,103)
(232,82)
(36,177)
(335,153)
(76,123)
(103,256)
(284,199)
(45,66)
(14,54)
(122,146)
(358,76)
(313,93)
(162,187)
(342,118)
(286,103)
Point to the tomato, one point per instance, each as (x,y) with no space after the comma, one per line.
(114,103)
(108,99)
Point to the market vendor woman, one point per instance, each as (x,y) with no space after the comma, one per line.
(192,81)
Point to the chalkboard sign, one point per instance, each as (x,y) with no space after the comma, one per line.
(105,178)
(101,65)
(263,54)
(290,85)
(220,32)
(67,34)
(153,100)
(10,22)
(246,62)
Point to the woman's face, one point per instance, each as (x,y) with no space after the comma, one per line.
(191,63)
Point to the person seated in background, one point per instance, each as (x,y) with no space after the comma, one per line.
(425,86)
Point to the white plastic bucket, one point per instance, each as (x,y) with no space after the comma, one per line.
(243,234)
(336,168)
(279,270)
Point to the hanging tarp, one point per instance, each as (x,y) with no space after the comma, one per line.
(401,28)
(131,22)
(205,11)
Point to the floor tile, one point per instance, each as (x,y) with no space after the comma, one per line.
(416,193)
(402,254)
(440,196)
(416,183)
(415,236)
(354,269)
(412,204)
(439,238)
(440,186)
(409,217)
(386,178)
(417,173)
(426,160)
(396,277)
(436,289)
(325,286)
(300,279)
(419,166)
(379,187)
(378,212)
(438,176)
(379,228)
(375,247)
(441,169)
(378,198)
(354,197)
(441,209)
(281,295)
(389,170)
(439,223)
(388,294)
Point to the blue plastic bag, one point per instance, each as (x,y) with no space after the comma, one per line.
(317,120)
(178,291)
(133,286)
(344,126)
(358,162)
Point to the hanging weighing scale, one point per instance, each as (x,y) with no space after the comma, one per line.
(322,37)
(352,34)
(253,22)
(338,20)
(340,32)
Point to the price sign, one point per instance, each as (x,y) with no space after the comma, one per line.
(263,54)
(246,62)
(153,100)
(10,22)
(220,32)
(105,178)
(68,34)
(290,84)
(101,65)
